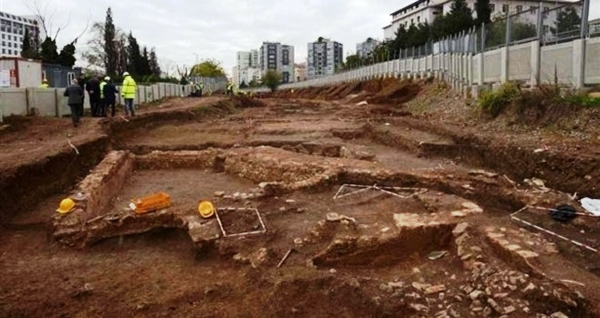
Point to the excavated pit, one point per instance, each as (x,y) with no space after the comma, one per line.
(371,245)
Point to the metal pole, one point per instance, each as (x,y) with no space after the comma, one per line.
(540,27)
(584,18)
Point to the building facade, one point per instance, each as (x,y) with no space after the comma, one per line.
(300,72)
(12,31)
(324,56)
(594,26)
(367,47)
(278,57)
(425,11)
(247,67)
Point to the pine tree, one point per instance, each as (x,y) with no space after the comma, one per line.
(484,11)
(49,51)
(134,57)
(154,67)
(145,63)
(67,55)
(28,49)
(110,47)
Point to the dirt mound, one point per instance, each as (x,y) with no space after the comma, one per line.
(244,101)
(397,92)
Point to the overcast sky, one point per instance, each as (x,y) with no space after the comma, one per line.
(182,30)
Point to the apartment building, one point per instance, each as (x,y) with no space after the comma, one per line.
(12,30)
(365,48)
(422,11)
(278,57)
(594,26)
(324,56)
(300,72)
(247,67)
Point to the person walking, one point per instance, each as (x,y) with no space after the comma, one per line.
(81,83)
(128,93)
(109,90)
(93,89)
(75,101)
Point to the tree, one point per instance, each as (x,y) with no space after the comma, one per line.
(272,79)
(154,66)
(253,83)
(484,11)
(49,51)
(67,55)
(110,45)
(460,18)
(353,61)
(135,64)
(496,32)
(208,68)
(145,63)
(28,50)
(567,22)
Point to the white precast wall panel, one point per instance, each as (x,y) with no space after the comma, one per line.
(557,60)
(519,65)
(592,61)
(30,73)
(492,64)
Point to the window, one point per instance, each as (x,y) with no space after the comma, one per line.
(412,21)
(492,8)
(10,52)
(519,8)
(3,36)
(418,19)
(3,51)
(533,9)
(546,28)
(505,8)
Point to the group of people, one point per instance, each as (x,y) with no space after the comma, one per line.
(102,96)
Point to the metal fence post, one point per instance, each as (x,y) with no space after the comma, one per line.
(537,68)
(584,33)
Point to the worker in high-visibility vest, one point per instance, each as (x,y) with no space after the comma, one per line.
(44,84)
(128,93)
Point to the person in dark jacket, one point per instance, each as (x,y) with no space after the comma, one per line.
(81,83)
(75,101)
(93,89)
(109,90)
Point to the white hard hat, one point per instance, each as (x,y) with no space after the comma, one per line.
(107,78)
(126,73)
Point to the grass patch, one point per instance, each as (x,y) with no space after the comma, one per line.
(493,103)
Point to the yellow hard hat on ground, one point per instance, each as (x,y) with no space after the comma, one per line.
(206,209)
(66,205)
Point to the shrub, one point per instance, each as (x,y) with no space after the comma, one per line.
(494,102)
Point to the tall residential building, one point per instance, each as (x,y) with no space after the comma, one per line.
(324,56)
(422,11)
(278,57)
(246,68)
(12,30)
(365,48)
(254,59)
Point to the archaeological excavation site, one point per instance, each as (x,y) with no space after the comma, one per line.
(383,198)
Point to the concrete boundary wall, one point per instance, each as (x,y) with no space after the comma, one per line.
(574,63)
(51,102)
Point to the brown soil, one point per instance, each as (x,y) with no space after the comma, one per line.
(365,265)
